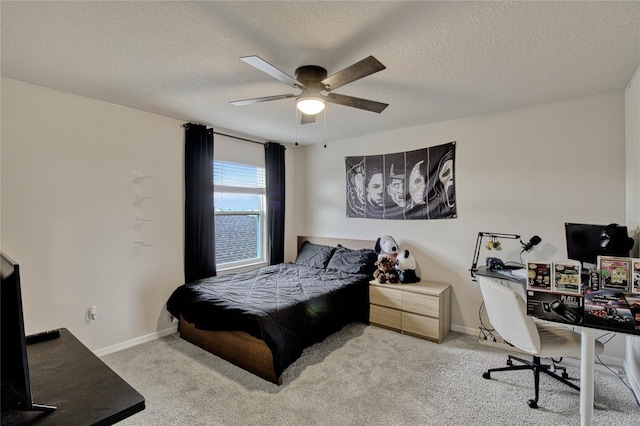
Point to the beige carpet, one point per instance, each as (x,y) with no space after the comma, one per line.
(361,375)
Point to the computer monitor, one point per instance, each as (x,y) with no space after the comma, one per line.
(16,388)
(585,242)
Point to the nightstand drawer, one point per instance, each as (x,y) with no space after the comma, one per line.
(422,304)
(385,316)
(421,326)
(420,309)
(382,296)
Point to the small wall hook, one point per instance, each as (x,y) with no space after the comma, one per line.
(142,218)
(141,195)
(139,176)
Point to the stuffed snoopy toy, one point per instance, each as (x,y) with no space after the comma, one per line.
(406,267)
(387,246)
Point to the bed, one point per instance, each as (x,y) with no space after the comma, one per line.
(262,319)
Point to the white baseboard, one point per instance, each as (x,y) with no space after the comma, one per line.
(465,330)
(136,341)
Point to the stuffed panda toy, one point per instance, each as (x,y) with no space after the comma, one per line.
(406,266)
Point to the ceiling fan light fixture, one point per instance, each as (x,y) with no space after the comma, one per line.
(310,105)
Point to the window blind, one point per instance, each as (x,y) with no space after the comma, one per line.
(236,177)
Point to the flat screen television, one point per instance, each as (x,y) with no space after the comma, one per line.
(16,389)
(585,242)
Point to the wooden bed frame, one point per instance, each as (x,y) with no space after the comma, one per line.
(241,348)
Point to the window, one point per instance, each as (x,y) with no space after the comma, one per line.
(239,199)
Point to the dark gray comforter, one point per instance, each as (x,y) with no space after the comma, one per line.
(288,306)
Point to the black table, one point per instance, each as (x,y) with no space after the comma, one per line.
(66,374)
(505,274)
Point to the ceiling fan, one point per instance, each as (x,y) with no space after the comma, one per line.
(317,87)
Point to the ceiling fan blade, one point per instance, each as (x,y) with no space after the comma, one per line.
(266,67)
(257,100)
(350,101)
(307,119)
(365,67)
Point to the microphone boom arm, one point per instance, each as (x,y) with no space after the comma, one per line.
(481,235)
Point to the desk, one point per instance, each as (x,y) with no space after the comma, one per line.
(508,278)
(66,374)
(587,346)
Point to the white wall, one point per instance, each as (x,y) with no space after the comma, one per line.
(68,211)
(632,127)
(632,137)
(525,172)
(68,205)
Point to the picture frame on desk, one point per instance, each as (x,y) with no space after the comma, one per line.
(566,277)
(635,276)
(539,275)
(615,273)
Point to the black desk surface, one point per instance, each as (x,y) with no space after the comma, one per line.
(506,274)
(66,374)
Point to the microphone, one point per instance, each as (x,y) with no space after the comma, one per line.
(534,241)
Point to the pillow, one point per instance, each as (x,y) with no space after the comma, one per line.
(353,261)
(314,255)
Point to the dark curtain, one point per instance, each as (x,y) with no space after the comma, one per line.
(275,175)
(199,231)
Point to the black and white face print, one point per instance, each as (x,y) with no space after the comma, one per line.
(355,186)
(417,184)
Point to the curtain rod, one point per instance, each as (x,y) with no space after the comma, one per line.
(234,137)
(239,138)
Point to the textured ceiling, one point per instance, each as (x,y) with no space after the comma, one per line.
(445,60)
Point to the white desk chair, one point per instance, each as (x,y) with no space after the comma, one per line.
(508,315)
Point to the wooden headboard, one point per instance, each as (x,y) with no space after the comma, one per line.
(348,243)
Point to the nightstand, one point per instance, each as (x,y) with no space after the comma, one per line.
(422,309)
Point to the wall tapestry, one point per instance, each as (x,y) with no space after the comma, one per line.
(407,185)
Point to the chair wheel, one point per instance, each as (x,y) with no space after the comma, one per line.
(486,375)
(565,375)
(532,403)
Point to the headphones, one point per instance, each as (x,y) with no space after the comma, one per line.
(608,234)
